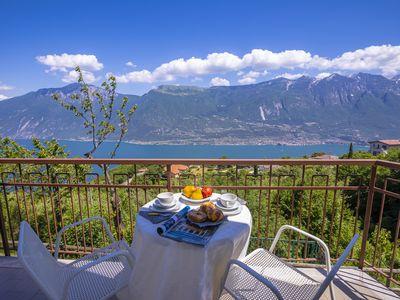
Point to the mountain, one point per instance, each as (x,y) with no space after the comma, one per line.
(37,114)
(306,110)
(396,78)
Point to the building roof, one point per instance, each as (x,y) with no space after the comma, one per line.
(387,142)
(176,169)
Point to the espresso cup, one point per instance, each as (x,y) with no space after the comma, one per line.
(165,198)
(228,200)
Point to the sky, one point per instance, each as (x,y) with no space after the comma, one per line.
(150,43)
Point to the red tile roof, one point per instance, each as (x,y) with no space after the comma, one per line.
(176,169)
(388,142)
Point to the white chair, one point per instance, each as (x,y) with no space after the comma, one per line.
(263,275)
(98,275)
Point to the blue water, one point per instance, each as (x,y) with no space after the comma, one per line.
(202,151)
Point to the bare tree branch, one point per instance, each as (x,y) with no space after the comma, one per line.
(101,124)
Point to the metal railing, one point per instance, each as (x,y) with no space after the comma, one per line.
(332,199)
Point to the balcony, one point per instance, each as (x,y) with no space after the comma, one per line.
(332,199)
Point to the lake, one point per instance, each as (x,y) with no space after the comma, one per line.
(127,150)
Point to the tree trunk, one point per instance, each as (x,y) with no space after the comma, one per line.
(116,206)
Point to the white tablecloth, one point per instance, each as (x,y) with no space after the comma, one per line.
(167,269)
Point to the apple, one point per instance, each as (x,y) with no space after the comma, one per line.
(206,191)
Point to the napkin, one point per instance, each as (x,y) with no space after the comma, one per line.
(155,219)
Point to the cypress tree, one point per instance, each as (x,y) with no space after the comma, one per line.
(350,155)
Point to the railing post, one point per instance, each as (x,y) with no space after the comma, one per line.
(367,217)
(394,251)
(3,229)
(169,181)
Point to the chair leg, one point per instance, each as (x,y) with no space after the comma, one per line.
(331,290)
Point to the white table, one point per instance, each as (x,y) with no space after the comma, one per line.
(167,269)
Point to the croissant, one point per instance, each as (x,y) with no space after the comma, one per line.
(215,215)
(205,207)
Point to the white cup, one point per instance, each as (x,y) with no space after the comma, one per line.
(228,200)
(165,198)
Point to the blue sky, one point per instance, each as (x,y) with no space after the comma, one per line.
(192,42)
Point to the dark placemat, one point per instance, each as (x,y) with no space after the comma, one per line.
(154,218)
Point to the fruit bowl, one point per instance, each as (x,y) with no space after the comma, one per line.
(193,194)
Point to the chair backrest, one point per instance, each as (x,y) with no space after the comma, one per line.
(329,277)
(39,263)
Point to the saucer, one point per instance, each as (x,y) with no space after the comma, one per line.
(237,211)
(156,208)
(158,203)
(234,207)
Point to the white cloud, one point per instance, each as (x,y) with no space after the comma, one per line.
(218,81)
(4,87)
(213,64)
(322,75)
(3,97)
(130,64)
(253,74)
(217,63)
(265,59)
(384,59)
(143,76)
(247,80)
(66,64)
(70,61)
(249,77)
(289,76)
(72,76)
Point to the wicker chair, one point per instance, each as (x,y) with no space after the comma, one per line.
(98,275)
(263,275)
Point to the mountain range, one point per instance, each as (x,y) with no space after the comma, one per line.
(335,109)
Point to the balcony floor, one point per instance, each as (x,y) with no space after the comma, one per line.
(350,283)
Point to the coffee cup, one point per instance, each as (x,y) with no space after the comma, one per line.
(228,200)
(165,198)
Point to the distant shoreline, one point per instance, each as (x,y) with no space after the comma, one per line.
(165,151)
(188,143)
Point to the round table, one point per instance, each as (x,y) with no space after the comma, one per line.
(167,269)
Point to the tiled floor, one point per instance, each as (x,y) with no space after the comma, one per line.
(353,284)
(15,284)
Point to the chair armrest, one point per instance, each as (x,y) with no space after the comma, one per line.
(120,253)
(254,274)
(319,241)
(95,218)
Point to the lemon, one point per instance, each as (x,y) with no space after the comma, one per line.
(197,195)
(188,190)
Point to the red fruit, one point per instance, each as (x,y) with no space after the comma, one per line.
(206,191)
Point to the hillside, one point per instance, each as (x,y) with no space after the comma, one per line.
(303,111)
